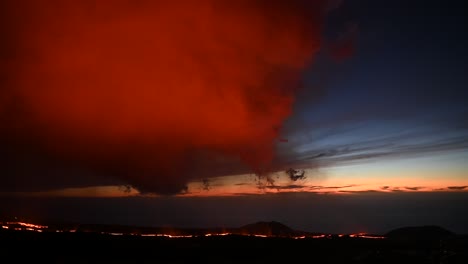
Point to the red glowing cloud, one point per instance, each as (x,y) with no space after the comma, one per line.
(144,85)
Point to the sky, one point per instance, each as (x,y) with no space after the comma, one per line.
(328,116)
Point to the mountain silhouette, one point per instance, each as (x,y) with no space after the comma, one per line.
(420,232)
(272,228)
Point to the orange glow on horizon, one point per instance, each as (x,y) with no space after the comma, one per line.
(238,185)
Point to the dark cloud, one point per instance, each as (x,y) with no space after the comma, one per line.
(152,94)
(360,192)
(413,188)
(457,187)
(286,187)
(331,187)
(295,175)
(206,184)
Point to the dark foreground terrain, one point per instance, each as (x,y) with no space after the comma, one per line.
(45,247)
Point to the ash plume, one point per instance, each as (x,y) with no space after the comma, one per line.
(137,92)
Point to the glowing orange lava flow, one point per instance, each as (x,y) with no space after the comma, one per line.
(23,226)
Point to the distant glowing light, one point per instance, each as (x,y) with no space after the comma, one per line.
(27,225)
(23,226)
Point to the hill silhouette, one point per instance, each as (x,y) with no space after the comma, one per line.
(272,228)
(420,232)
(131,244)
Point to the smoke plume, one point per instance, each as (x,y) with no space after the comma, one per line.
(146,91)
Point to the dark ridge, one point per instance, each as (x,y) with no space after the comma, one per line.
(272,228)
(420,232)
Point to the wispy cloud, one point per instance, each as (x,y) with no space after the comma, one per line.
(404,145)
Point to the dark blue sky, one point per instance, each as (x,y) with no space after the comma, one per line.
(404,85)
